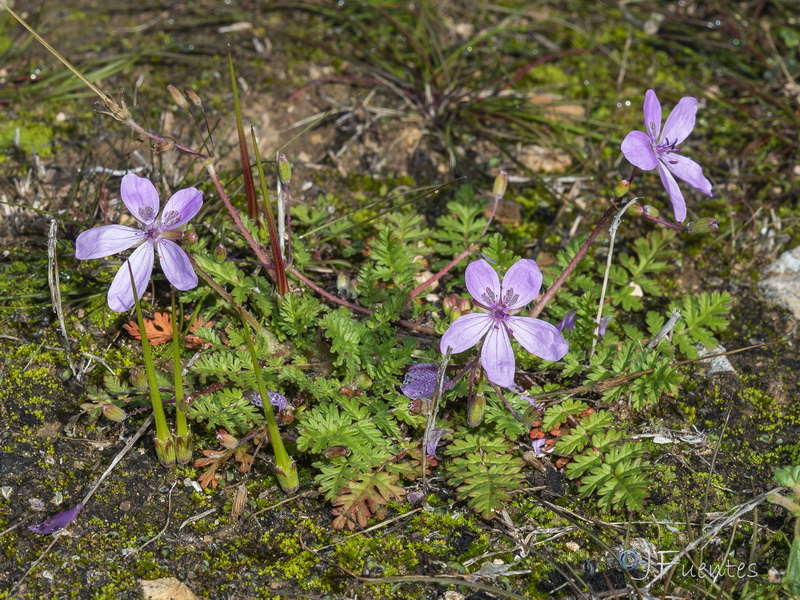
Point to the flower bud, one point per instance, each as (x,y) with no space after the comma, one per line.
(114,413)
(227,440)
(284,169)
(336,451)
(220,253)
(500,185)
(177,96)
(189,237)
(194,98)
(650,211)
(286,416)
(703,226)
(138,378)
(622,188)
(476,406)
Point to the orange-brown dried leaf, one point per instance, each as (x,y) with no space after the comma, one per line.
(158,329)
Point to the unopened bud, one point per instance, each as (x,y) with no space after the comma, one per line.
(138,378)
(476,406)
(286,416)
(227,440)
(161,147)
(189,237)
(464,305)
(703,226)
(114,413)
(500,185)
(650,211)
(220,253)
(177,96)
(117,110)
(193,98)
(284,169)
(622,188)
(449,304)
(336,451)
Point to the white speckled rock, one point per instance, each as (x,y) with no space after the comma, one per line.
(780,281)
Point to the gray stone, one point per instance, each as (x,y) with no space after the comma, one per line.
(780,281)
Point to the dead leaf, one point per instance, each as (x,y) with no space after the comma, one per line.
(158,330)
(166,588)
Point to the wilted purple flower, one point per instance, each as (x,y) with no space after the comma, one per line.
(277,400)
(569,321)
(602,326)
(141,198)
(538,446)
(420,381)
(58,522)
(657,148)
(520,285)
(434,437)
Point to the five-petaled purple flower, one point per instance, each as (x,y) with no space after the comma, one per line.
(498,324)
(656,148)
(141,198)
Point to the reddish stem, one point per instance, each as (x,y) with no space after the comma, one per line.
(434,278)
(573,263)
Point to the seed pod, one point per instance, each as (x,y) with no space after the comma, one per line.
(177,96)
(194,98)
(239,503)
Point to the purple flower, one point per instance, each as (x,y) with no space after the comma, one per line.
(58,522)
(276,399)
(538,446)
(434,437)
(602,326)
(657,148)
(569,322)
(498,324)
(141,198)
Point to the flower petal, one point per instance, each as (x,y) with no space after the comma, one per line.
(106,240)
(521,284)
(637,148)
(57,522)
(141,197)
(680,121)
(176,266)
(538,337)
(675,194)
(652,115)
(465,332)
(182,206)
(497,357)
(120,294)
(483,283)
(687,170)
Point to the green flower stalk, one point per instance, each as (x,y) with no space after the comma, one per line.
(285,467)
(182,437)
(165,447)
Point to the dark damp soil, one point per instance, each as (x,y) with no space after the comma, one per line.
(146,523)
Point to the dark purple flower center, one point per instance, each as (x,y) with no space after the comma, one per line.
(667,146)
(499,306)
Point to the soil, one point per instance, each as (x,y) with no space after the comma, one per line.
(146,523)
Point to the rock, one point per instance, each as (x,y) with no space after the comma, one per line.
(166,588)
(781,281)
